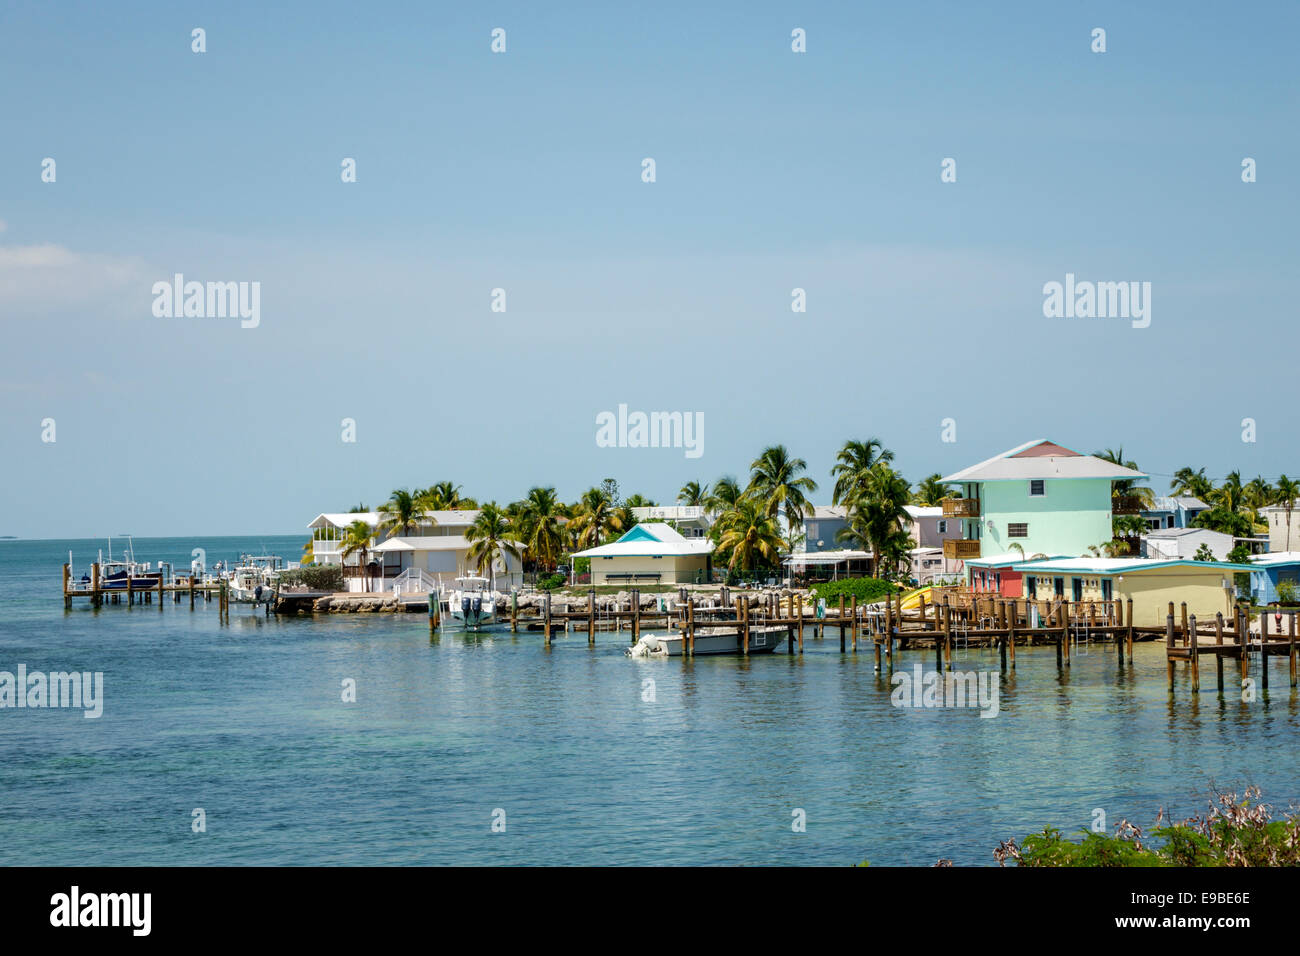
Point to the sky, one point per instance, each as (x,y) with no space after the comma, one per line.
(523,171)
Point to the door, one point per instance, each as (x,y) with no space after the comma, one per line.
(1077,589)
(1106,590)
(1059,587)
(1031,587)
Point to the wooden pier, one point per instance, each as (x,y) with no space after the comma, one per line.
(953,620)
(130,594)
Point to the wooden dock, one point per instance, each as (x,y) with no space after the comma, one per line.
(954,621)
(130,594)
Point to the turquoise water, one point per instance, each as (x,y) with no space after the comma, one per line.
(246,721)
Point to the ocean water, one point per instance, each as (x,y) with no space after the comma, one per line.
(246,721)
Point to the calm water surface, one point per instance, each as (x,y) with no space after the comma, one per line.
(246,721)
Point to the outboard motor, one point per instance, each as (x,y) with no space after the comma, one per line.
(464,607)
(478,608)
(257,594)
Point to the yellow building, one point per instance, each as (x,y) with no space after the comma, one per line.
(1206,586)
(650,553)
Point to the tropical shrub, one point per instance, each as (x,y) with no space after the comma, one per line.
(1286,592)
(317,577)
(867,590)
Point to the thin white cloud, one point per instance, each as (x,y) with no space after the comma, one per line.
(45,277)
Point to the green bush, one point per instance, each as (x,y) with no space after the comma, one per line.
(317,577)
(867,590)
(549,582)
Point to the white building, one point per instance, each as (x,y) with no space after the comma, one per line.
(690,521)
(650,553)
(1168,544)
(436,545)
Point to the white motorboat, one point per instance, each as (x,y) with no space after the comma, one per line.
(709,640)
(471,602)
(253,580)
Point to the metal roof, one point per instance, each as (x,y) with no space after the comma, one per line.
(1025,461)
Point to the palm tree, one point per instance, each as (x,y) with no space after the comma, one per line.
(749,534)
(541,527)
(1127,487)
(776,479)
(1284,493)
(1192,483)
(356,539)
(399,513)
(594,518)
(640,501)
(491,537)
(1231,494)
(877,519)
(444,496)
(724,495)
(693,494)
(308,552)
(932,491)
(1258,493)
(853,464)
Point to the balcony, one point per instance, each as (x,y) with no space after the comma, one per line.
(1125,505)
(961,507)
(960,549)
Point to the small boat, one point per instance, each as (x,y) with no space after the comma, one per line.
(253,580)
(114,574)
(709,640)
(471,602)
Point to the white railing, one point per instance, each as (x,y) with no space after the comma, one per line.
(414,581)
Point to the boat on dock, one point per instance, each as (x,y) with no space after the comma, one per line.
(255,579)
(125,572)
(471,603)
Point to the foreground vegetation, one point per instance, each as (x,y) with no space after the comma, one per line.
(1232,833)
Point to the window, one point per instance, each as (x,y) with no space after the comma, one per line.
(943,527)
(1017,529)
(1037,488)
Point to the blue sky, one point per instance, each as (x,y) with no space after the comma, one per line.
(522,170)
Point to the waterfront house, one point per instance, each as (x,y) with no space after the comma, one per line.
(821,527)
(1175,511)
(998,573)
(1283,531)
(1273,569)
(829,565)
(929,528)
(1206,586)
(1170,543)
(650,553)
(436,545)
(1041,496)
